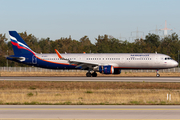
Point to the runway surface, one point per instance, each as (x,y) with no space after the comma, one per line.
(90,111)
(107,79)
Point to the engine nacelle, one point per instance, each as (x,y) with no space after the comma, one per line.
(108,69)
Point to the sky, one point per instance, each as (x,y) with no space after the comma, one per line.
(62,18)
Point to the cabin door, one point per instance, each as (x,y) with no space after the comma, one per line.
(34,59)
(157,59)
(122,60)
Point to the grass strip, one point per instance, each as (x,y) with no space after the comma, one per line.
(33,85)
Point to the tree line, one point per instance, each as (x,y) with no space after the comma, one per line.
(152,43)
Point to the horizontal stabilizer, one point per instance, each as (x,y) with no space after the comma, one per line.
(17,58)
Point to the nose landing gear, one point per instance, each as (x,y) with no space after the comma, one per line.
(157,73)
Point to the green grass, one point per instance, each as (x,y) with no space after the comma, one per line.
(89,91)
(30,94)
(135,102)
(32,88)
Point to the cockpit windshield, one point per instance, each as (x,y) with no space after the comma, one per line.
(168,58)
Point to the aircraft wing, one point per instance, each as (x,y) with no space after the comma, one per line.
(82,64)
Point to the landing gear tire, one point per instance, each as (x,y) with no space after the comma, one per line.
(88,74)
(157,75)
(94,74)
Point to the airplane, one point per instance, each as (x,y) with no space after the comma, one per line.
(105,63)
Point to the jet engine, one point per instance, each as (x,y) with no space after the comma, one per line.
(109,69)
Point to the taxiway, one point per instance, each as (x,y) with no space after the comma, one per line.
(90,111)
(105,79)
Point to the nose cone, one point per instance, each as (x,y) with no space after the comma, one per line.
(175,63)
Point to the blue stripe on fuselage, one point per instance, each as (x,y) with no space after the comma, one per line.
(54,65)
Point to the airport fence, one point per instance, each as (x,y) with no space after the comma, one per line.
(36,69)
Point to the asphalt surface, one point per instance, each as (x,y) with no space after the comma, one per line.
(90,111)
(110,79)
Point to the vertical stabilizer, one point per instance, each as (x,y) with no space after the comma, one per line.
(19,46)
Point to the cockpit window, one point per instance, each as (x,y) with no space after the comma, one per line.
(168,58)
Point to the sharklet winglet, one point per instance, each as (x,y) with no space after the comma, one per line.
(59,55)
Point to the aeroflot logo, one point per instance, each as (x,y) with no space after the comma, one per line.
(140,55)
(21,44)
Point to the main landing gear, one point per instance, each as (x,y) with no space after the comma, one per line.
(157,73)
(89,74)
(94,74)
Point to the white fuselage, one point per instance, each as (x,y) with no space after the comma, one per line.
(118,60)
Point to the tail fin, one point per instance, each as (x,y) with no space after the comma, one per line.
(19,46)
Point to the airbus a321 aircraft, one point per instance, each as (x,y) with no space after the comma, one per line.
(105,63)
